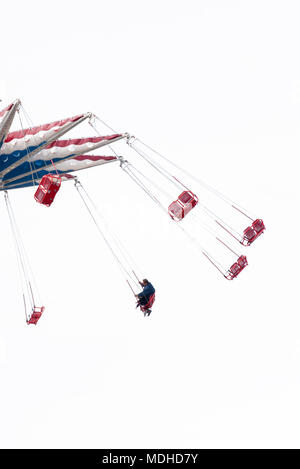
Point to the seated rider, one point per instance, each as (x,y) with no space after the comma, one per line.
(144,296)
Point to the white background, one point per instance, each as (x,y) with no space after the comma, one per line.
(214,85)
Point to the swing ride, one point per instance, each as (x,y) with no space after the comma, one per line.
(37,156)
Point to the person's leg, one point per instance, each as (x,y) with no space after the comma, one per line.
(143,300)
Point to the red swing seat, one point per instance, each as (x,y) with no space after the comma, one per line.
(183,205)
(47,190)
(252,232)
(149,304)
(35,315)
(236,268)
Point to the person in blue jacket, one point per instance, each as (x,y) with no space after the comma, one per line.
(144,296)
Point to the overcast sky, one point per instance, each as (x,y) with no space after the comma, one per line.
(215,86)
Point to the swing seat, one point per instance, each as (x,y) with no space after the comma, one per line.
(35,315)
(237,267)
(253,232)
(47,190)
(183,205)
(149,304)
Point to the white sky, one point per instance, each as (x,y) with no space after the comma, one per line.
(214,85)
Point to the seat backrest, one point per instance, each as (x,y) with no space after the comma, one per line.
(175,210)
(45,182)
(242,261)
(151,300)
(249,232)
(235,268)
(149,304)
(188,198)
(258,225)
(185,197)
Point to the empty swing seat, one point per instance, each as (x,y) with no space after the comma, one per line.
(47,190)
(183,205)
(35,315)
(252,232)
(149,304)
(237,267)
